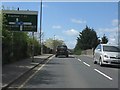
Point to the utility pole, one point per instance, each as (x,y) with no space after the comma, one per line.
(54,44)
(41,27)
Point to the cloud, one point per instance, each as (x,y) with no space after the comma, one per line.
(115,22)
(102,31)
(59,37)
(71,32)
(71,44)
(113,39)
(56,27)
(78,21)
(111,33)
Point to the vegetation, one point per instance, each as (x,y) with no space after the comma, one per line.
(87,40)
(51,43)
(16,45)
(104,39)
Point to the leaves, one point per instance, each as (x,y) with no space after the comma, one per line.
(87,39)
(104,39)
(17,45)
(50,43)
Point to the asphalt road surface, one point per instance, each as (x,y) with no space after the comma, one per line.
(72,72)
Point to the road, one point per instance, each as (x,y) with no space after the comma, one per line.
(72,72)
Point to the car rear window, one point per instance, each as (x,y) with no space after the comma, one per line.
(62,47)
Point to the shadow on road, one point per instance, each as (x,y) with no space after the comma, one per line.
(112,66)
(65,56)
(42,78)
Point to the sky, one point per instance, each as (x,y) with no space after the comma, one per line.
(65,20)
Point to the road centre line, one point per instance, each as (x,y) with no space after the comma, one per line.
(86,64)
(98,71)
(79,60)
(103,74)
(34,73)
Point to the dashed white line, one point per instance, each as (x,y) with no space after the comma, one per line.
(98,71)
(86,64)
(79,60)
(103,74)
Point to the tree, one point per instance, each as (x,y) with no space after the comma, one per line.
(87,39)
(52,44)
(104,39)
(16,45)
(6,41)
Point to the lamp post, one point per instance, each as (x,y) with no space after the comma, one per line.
(41,27)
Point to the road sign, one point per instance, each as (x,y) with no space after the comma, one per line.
(21,20)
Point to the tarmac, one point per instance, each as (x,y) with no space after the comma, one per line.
(12,71)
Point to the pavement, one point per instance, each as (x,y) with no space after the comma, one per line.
(11,72)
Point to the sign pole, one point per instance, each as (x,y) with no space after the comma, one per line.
(33,47)
(12,45)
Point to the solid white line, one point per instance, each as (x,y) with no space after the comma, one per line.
(86,64)
(34,73)
(79,60)
(103,74)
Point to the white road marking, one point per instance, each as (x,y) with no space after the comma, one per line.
(86,64)
(103,74)
(34,73)
(79,60)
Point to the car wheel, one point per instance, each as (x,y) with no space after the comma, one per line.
(55,55)
(95,62)
(100,62)
(66,55)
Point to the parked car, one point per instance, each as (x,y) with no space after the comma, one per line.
(62,50)
(107,54)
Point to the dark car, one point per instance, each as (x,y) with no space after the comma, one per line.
(62,50)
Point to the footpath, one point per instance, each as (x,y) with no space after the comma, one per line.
(13,71)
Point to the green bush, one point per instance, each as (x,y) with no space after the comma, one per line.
(77,52)
(17,45)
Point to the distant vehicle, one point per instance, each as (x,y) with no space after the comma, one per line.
(62,50)
(107,54)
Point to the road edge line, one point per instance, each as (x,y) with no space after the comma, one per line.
(6,86)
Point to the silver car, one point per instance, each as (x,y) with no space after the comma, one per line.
(107,54)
